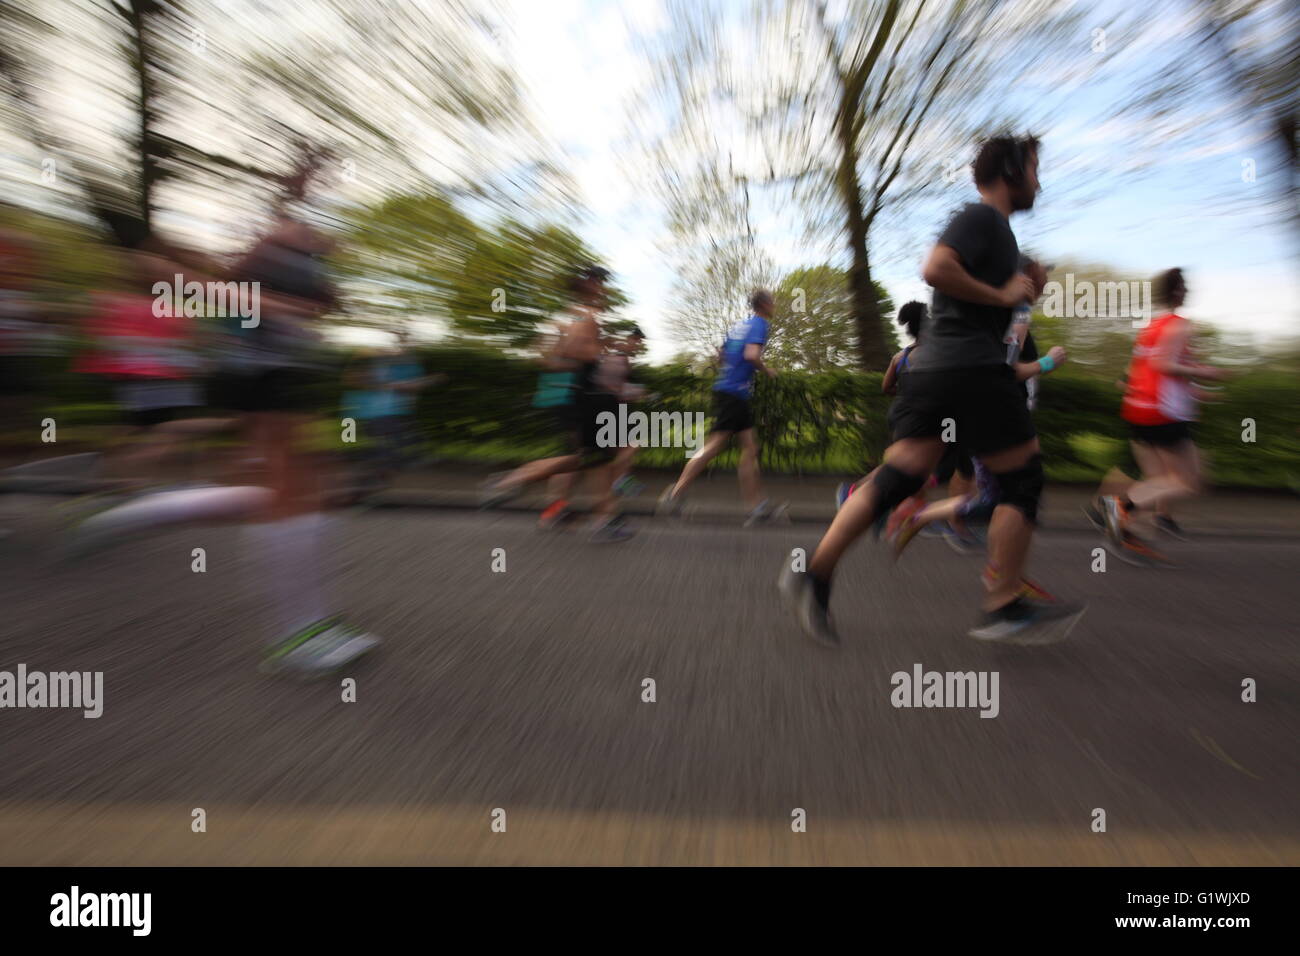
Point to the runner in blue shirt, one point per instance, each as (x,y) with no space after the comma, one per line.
(733,415)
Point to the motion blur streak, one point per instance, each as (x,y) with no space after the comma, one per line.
(308,315)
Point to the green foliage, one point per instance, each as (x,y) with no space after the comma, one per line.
(827,423)
(835,421)
(423,256)
(814,328)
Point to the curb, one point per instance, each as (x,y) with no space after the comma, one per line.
(641,508)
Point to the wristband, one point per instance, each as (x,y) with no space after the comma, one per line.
(1045,365)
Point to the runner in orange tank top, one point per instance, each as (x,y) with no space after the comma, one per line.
(1160,403)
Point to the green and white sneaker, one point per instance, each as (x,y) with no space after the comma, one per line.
(318,650)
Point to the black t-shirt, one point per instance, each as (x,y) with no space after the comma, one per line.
(962,334)
(288,271)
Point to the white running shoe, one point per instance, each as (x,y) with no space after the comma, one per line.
(319,650)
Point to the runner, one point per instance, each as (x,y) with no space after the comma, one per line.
(911,316)
(961,376)
(151,360)
(977,506)
(555,397)
(1160,406)
(270,377)
(24,332)
(733,416)
(385,388)
(613,376)
(577,353)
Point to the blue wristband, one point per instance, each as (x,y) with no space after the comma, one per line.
(1045,365)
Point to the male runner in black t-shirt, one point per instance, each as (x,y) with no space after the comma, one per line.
(961,374)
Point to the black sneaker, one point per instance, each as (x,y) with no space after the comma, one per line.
(813,617)
(1025,622)
(1167,525)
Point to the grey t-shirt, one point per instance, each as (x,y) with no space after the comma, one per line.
(962,334)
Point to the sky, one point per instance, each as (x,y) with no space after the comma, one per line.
(581,70)
(578,61)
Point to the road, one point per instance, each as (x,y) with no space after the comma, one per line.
(522,691)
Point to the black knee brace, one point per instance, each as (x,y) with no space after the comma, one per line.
(1023,488)
(893,487)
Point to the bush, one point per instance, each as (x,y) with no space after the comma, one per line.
(833,422)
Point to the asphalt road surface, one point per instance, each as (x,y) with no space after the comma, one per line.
(516,698)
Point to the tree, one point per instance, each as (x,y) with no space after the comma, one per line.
(1244,54)
(236,106)
(422,255)
(852,114)
(711,295)
(814,327)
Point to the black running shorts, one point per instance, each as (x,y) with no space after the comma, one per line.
(955,459)
(587,412)
(1162,436)
(985,405)
(564,421)
(268,390)
(731,413)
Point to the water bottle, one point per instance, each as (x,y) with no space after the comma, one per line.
(1016,331)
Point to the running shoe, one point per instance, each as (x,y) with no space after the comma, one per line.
(1092,511)
(758,515)
(813,617)
(1033,591)
(901,513)
(1134,550)
(1028,623)
(554,515)
(1114,517)
(1167,525)
(1029,590)
(318,650)
(493,493)
(669,505)
(767,513)
(613,531)
(963,542)
(908,530)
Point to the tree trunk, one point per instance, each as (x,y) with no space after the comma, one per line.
(873,349)
(138,18)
